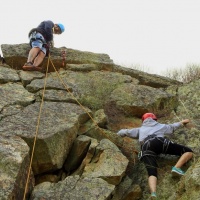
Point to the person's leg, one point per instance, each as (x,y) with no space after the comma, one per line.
(152,180)
(185,154)
(36,56)
(151,166)
(183,159)
(33,54)
(38,60)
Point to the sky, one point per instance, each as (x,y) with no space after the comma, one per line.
(156,35)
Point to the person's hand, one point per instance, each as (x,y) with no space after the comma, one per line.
(185,121)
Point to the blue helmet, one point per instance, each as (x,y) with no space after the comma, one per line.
(62,28)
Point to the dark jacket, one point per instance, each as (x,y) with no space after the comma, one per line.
(46,29)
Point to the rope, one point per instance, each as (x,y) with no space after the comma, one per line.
(36,133)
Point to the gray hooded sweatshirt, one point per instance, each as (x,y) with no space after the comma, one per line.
(150,127)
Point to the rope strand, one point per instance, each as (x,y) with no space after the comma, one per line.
(36,134)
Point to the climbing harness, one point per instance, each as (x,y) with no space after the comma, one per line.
(147,142)
(33,37)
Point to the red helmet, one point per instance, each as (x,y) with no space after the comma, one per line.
(147,115)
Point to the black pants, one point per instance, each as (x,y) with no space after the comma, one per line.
(160,145)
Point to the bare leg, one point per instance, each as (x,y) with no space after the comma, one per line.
(152,183)
(183,159)
(33,53)
(38,60)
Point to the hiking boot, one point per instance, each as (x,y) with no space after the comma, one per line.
(177,171)
(153,195)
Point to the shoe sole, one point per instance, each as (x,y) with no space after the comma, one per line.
(176,174)
(31,68)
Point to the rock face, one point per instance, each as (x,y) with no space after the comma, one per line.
(62,125)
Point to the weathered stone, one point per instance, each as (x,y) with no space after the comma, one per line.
(88,158)
(82,67)
(14,94)
(99,134)
(126,190)
(108,163)
(28,76)
(8,75)
(49,83)
(94,88)
(144,78)
(14,168)
(135,100)
(56,96)
(99,119)
(77,153)
(58,128)
(74,188)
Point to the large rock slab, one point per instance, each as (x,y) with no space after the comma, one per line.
(8,75)
(51,82)
(135,100)
(14,94)
(74,188)
(14,167)
(93,90)
(16,55)
(144,78)
(57,129)
(28,76)
(108,163)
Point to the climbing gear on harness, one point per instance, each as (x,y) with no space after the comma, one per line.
(62,28)
(177,171)
(149,115)
(63,54)
(165,142)
(146,153)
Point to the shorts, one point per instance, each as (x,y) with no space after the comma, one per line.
(37,40)
(160,145)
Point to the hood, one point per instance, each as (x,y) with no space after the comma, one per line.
(149,122)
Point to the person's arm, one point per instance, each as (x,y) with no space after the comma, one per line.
(134,133)
(170,128)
